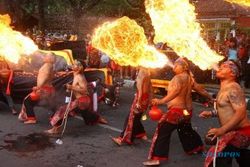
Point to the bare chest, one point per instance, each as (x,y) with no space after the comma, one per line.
(75,82)
(222,99)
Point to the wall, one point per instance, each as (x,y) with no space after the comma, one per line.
(243,21)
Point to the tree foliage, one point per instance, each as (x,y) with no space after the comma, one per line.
(22,9)
(83,5)
(136,3)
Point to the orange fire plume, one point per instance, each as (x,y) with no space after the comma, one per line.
(123,40)
(240,2)
(175,23)
(12,43)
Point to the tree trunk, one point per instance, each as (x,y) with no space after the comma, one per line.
(15,11)
(41,14)
(77,19)
(3,7)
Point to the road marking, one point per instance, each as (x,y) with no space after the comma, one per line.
(108,127)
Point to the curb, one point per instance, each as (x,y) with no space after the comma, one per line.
(129,83)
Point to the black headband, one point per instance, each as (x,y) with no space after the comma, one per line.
(182,62)
(234,68)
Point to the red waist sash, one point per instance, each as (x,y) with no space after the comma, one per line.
(239,138)
(178,115)
(84,102)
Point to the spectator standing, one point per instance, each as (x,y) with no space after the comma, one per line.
(232,51)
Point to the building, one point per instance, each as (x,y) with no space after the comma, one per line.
(219,18)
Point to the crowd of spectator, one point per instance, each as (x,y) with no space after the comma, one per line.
(44,39)
(238,49)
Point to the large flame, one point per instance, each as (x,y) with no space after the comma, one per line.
(175,23)
(124,41)
(12,43)
(240,2)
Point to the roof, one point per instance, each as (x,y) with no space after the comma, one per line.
(220,9)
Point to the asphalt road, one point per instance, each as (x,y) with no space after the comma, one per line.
(87,146)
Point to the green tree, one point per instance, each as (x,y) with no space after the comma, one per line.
(41,5)
(21,10)
(143,18)
(136,3)
(79,8)
(14,9)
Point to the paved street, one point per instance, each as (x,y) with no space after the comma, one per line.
(88,146)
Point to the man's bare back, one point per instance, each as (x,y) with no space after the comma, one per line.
(180,88)
(144,87)
(143,82)
(46,73)
(183,83)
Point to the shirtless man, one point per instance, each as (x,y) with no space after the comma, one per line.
(43,90)
(133,127)
(80,104)
(234,133)
(179,102)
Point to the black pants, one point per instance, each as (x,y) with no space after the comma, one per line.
(7,99)
(137,126)
(189,138)
(3,98)
(89,117)
(29,105)
(243,159)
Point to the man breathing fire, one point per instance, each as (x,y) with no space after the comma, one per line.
(234,133)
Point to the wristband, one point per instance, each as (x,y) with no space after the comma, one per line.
(214,113)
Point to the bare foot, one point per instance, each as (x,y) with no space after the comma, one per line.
(54,130)
(102,121)
(22,117)
(32,121)
(117,140)
(14,112)
(145,138)
(151,163)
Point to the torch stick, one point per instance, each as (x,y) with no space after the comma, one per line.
(215,152)
(65,119)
